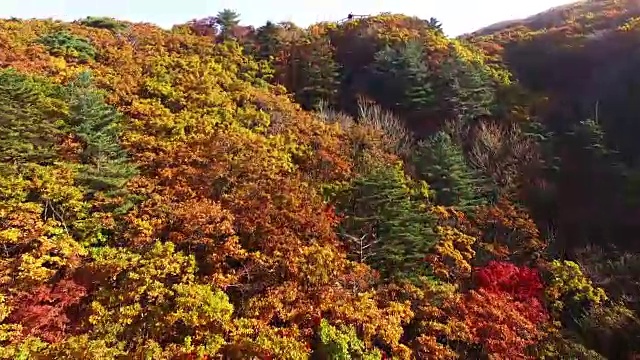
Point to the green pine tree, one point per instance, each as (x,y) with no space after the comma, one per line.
(322,75)
(387,225)
(402,77)
(435,24)
(103,22)
(226,20)
(268,40)
(466,88)
(67,45)
(441,163)
(106,166)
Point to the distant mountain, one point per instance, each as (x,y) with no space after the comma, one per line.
(591,15)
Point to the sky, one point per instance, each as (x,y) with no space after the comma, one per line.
(457,16)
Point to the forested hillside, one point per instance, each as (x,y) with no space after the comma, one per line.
(367,189)
(582,59)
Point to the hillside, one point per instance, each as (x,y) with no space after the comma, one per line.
(585,16)
(360,190)
(583,58)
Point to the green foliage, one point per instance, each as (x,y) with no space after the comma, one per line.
(65,44)
(441,163)
(322,79)
(226,20)
(106,165)
(466,87)
(30,119)
(102,22)
(342,344)
(386,222)
(401,77)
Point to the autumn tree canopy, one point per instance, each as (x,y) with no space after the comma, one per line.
(369,189)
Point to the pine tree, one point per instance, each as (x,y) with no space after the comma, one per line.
(435,24)
(418,90)
(322,72)
(68,45)
(30,124)
(386,224)
(466,88)
(268,41)
(226,20)
(402,78)
(106,165)
(441,163)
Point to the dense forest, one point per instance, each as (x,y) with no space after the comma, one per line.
(362,189)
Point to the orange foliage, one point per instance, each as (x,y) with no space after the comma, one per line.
(497,324)
(506,231)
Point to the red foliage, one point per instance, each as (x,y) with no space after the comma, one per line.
(43,311)
(521,283)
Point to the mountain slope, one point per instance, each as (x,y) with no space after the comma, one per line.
(163,196)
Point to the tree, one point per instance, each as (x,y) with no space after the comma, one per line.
(466,88)
(43,311)
(321,81)
(226,20)
(506,231)
(106,166)
(435,24)
(523,284)
(268,40)
(103,22)
(69,46)
(441,163)
(391,228)
(496,325)
(342,344)
(401,78)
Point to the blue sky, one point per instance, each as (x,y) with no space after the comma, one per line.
(458,16)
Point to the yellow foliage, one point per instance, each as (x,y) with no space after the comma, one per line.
(569,283)
(451,255)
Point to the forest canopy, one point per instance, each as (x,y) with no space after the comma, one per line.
(367,189)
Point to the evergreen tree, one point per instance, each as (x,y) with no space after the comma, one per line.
(226,20)
(322,72)
(586,156)
(466,89)
(268,41)
(106,165)
(29,121)
(435,24)
(103,22)
(386,222)
(401,78)
(441,163)
(69,46)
